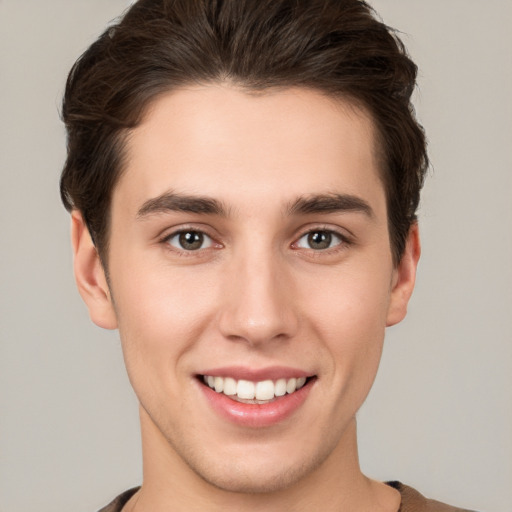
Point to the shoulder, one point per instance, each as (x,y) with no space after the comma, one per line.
(118,503)
(413,501)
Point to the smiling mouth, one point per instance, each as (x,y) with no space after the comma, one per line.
(261,392)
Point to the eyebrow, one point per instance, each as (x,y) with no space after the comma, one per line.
(304,205)
(330,203)
(174,202)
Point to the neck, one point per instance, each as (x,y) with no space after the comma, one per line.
(336,484)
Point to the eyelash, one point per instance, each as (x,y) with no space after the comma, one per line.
(166,240)
(343,242)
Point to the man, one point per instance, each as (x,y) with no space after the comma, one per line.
(243,179)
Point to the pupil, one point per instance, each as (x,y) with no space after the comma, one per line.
(191,240)
(319,240)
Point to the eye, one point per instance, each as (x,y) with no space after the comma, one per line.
(190,240)
(319,240)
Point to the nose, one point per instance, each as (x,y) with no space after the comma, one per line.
(258,300)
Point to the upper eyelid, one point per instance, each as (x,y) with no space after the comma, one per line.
(332,231)
(180,231)
(169,232)
(343,240)
(343,233)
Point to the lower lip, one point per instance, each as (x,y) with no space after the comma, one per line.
(257,415)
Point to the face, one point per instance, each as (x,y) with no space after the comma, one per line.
(251,279)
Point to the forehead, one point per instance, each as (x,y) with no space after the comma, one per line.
(220,141)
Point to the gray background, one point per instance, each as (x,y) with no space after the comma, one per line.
(440,415)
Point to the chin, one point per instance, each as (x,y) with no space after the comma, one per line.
(262,480)
(256,473)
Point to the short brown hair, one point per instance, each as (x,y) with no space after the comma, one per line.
(338,47)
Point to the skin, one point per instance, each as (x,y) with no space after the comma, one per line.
(256,293)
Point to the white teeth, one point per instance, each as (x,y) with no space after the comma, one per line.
(229,386)
(291,385)
(264,390)
(245,389)
(219,384)
(300,382)
(280,388)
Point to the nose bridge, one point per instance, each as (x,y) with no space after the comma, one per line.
(257,306)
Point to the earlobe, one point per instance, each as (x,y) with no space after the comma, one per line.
(90,275)
(404,278)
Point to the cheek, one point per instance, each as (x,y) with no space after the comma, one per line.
(349,314)
(352,301)
(161,313)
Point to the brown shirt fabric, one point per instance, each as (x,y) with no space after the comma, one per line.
(412,501)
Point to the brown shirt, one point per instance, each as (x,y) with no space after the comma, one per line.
(412,501)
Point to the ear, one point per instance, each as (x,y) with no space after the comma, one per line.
(90,276)
(404,278)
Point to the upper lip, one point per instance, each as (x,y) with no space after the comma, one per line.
(257,374)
